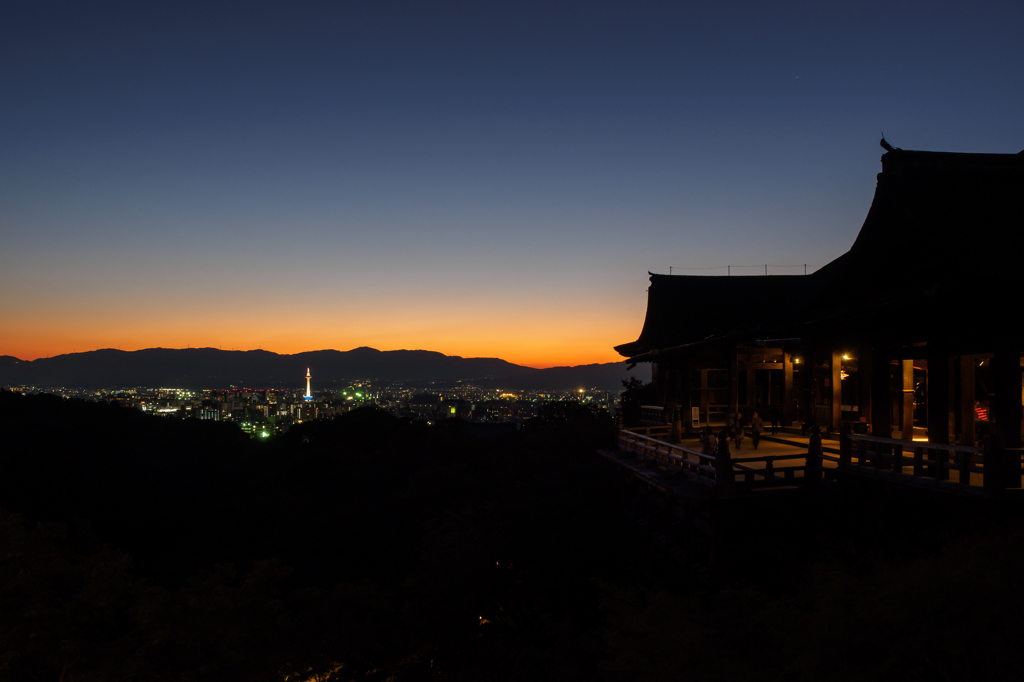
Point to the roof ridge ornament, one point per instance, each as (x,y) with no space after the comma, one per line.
(888,147)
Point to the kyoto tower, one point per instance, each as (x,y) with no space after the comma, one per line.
(309,396)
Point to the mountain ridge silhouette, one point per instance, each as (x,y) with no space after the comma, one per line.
(215,368)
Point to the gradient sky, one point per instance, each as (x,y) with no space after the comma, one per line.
(476,178)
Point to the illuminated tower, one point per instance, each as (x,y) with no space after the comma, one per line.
(309,396)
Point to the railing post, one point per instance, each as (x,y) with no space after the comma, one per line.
(845,445)
(723,462)
(965,468)
(918,460)
(861,447)
(769,470)
(941,460)
(812,471)
(1011,467)
(993,464)
(897,459)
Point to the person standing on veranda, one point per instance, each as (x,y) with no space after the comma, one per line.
(756,427)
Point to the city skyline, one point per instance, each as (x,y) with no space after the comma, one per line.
(479,180)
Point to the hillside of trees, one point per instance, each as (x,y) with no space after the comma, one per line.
(138,548)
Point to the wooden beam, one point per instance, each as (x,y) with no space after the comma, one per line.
(907,412)
(671,392)
(938,406)
(836,367)
(864,383)
(751,390)
(686,394)
(967,398)
(881,394)
(1006,379)
(788,394)
(734,382)
(938,396)
(705,396)
(807,368)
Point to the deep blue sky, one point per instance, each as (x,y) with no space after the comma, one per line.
(477,178)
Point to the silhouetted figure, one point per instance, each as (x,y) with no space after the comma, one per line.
(737,430)
(756,427)
(708,442)
(814,455)
(773,414)
(723,460)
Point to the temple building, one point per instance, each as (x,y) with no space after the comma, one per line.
(915,332)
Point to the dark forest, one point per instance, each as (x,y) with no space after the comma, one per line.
(139,548)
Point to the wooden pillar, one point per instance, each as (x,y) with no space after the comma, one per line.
(705,398)
(788,394)
(881,395)
(807,369)
(907,413)
(671,393)
(751,390)
(994,477)
(1006,380)
(938,396)
(685,395)
(864,384)
(955,414)
(952,368)
(836,381)
(734,381)
(967,397)
(938,406)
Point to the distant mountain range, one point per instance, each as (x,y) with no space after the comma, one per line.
(213,368)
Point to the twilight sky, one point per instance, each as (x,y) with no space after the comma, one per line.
(476,178)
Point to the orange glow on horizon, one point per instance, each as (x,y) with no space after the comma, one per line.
(566,329)
(564,348)
(582,356)
(527,357)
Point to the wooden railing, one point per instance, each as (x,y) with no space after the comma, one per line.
(692,464)
(902,459)
(952,467)
(708,470)
(652,414)
(659,430)
(961,467)
(774,475)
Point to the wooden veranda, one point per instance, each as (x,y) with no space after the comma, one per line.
(990,471)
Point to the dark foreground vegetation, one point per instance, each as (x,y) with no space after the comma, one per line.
(135,548)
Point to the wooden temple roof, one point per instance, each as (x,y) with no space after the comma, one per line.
(939,254)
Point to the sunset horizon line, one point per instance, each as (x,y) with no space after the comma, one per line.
(543,365)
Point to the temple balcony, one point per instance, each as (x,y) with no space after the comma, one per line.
(789,463)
